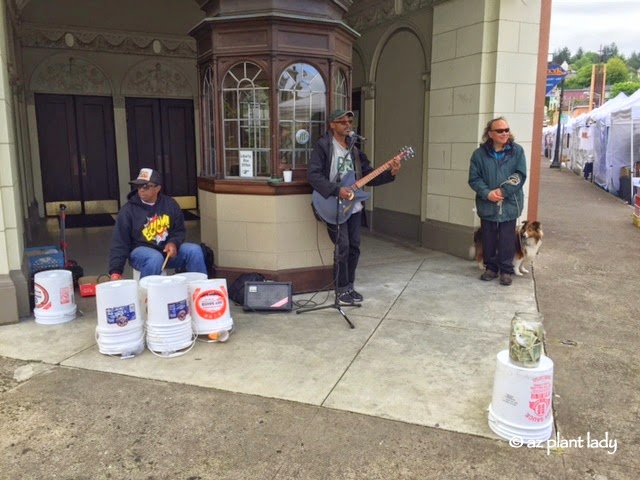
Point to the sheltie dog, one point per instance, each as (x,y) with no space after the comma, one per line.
(528,241)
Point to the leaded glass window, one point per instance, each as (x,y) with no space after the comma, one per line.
(245,117)
(301,111)
(340,96)
(209,166)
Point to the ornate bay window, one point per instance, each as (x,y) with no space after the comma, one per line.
(269,106)
(269,72)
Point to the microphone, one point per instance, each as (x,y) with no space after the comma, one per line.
(354,136)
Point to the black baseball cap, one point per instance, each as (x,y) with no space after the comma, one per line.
(147,175)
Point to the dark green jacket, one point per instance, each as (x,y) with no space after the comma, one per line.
(487,173)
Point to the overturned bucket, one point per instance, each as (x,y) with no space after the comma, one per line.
(54,297)
(142,293)
(521,401)
(169,326)
(120,329)
(210,306)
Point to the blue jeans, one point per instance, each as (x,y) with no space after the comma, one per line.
(148,261)
(499,245)
(347,251)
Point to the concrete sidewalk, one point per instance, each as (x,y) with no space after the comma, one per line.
(428,327)
(403,395)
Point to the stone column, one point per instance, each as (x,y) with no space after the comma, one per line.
(10,211)
(122,146)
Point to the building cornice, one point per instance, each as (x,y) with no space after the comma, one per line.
(67,37)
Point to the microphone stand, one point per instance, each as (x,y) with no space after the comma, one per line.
(336,264)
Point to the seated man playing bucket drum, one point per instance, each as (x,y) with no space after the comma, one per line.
(150,232)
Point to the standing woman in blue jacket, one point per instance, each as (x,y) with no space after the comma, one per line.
(497,174)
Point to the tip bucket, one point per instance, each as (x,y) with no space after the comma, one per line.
(54,297)
(521,401)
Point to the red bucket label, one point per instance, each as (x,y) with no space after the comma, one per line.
(41,297)
(540,401)
(65,295)
(210,304)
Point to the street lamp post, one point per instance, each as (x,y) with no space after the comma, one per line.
(556,153)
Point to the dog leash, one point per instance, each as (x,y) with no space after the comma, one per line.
(513,179)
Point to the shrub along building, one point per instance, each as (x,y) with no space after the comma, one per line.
(223,96)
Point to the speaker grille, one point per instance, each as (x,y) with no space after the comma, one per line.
(267,296)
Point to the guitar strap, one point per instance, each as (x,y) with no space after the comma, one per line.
(356,164)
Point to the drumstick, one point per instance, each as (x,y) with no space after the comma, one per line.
(166,259)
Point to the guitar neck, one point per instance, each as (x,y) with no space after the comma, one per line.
(366,179)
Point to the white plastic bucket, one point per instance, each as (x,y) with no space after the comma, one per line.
(521,401)
(169,327)
(169,339)
(167,301)
(118,305)
(192,276)
(126,342)
(209,300)
(120,329)
(142,293)
(54,297)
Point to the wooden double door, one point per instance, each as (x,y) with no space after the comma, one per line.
(77,153)
(162,136)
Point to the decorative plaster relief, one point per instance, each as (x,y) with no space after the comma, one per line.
(369,13)
(38,36)
(69,75)
(156,79)
(410,5)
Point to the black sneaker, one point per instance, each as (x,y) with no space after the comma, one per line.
(505,279)
(488,275)
(355,295)
(345,298)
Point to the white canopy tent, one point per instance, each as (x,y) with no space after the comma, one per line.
(600,121)
(623,148)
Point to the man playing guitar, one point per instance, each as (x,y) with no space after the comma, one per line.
(332,158)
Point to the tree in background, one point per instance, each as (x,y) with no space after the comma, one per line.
(625,87)
(620,71)
(617,71)
(608,52)
(581,79)
(560,56)
(633,62)
(579,54)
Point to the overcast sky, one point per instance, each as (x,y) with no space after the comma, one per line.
(591,23)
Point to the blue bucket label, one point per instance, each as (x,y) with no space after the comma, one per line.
(121,316)
(179,310)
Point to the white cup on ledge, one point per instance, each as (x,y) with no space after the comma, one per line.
(287,175)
